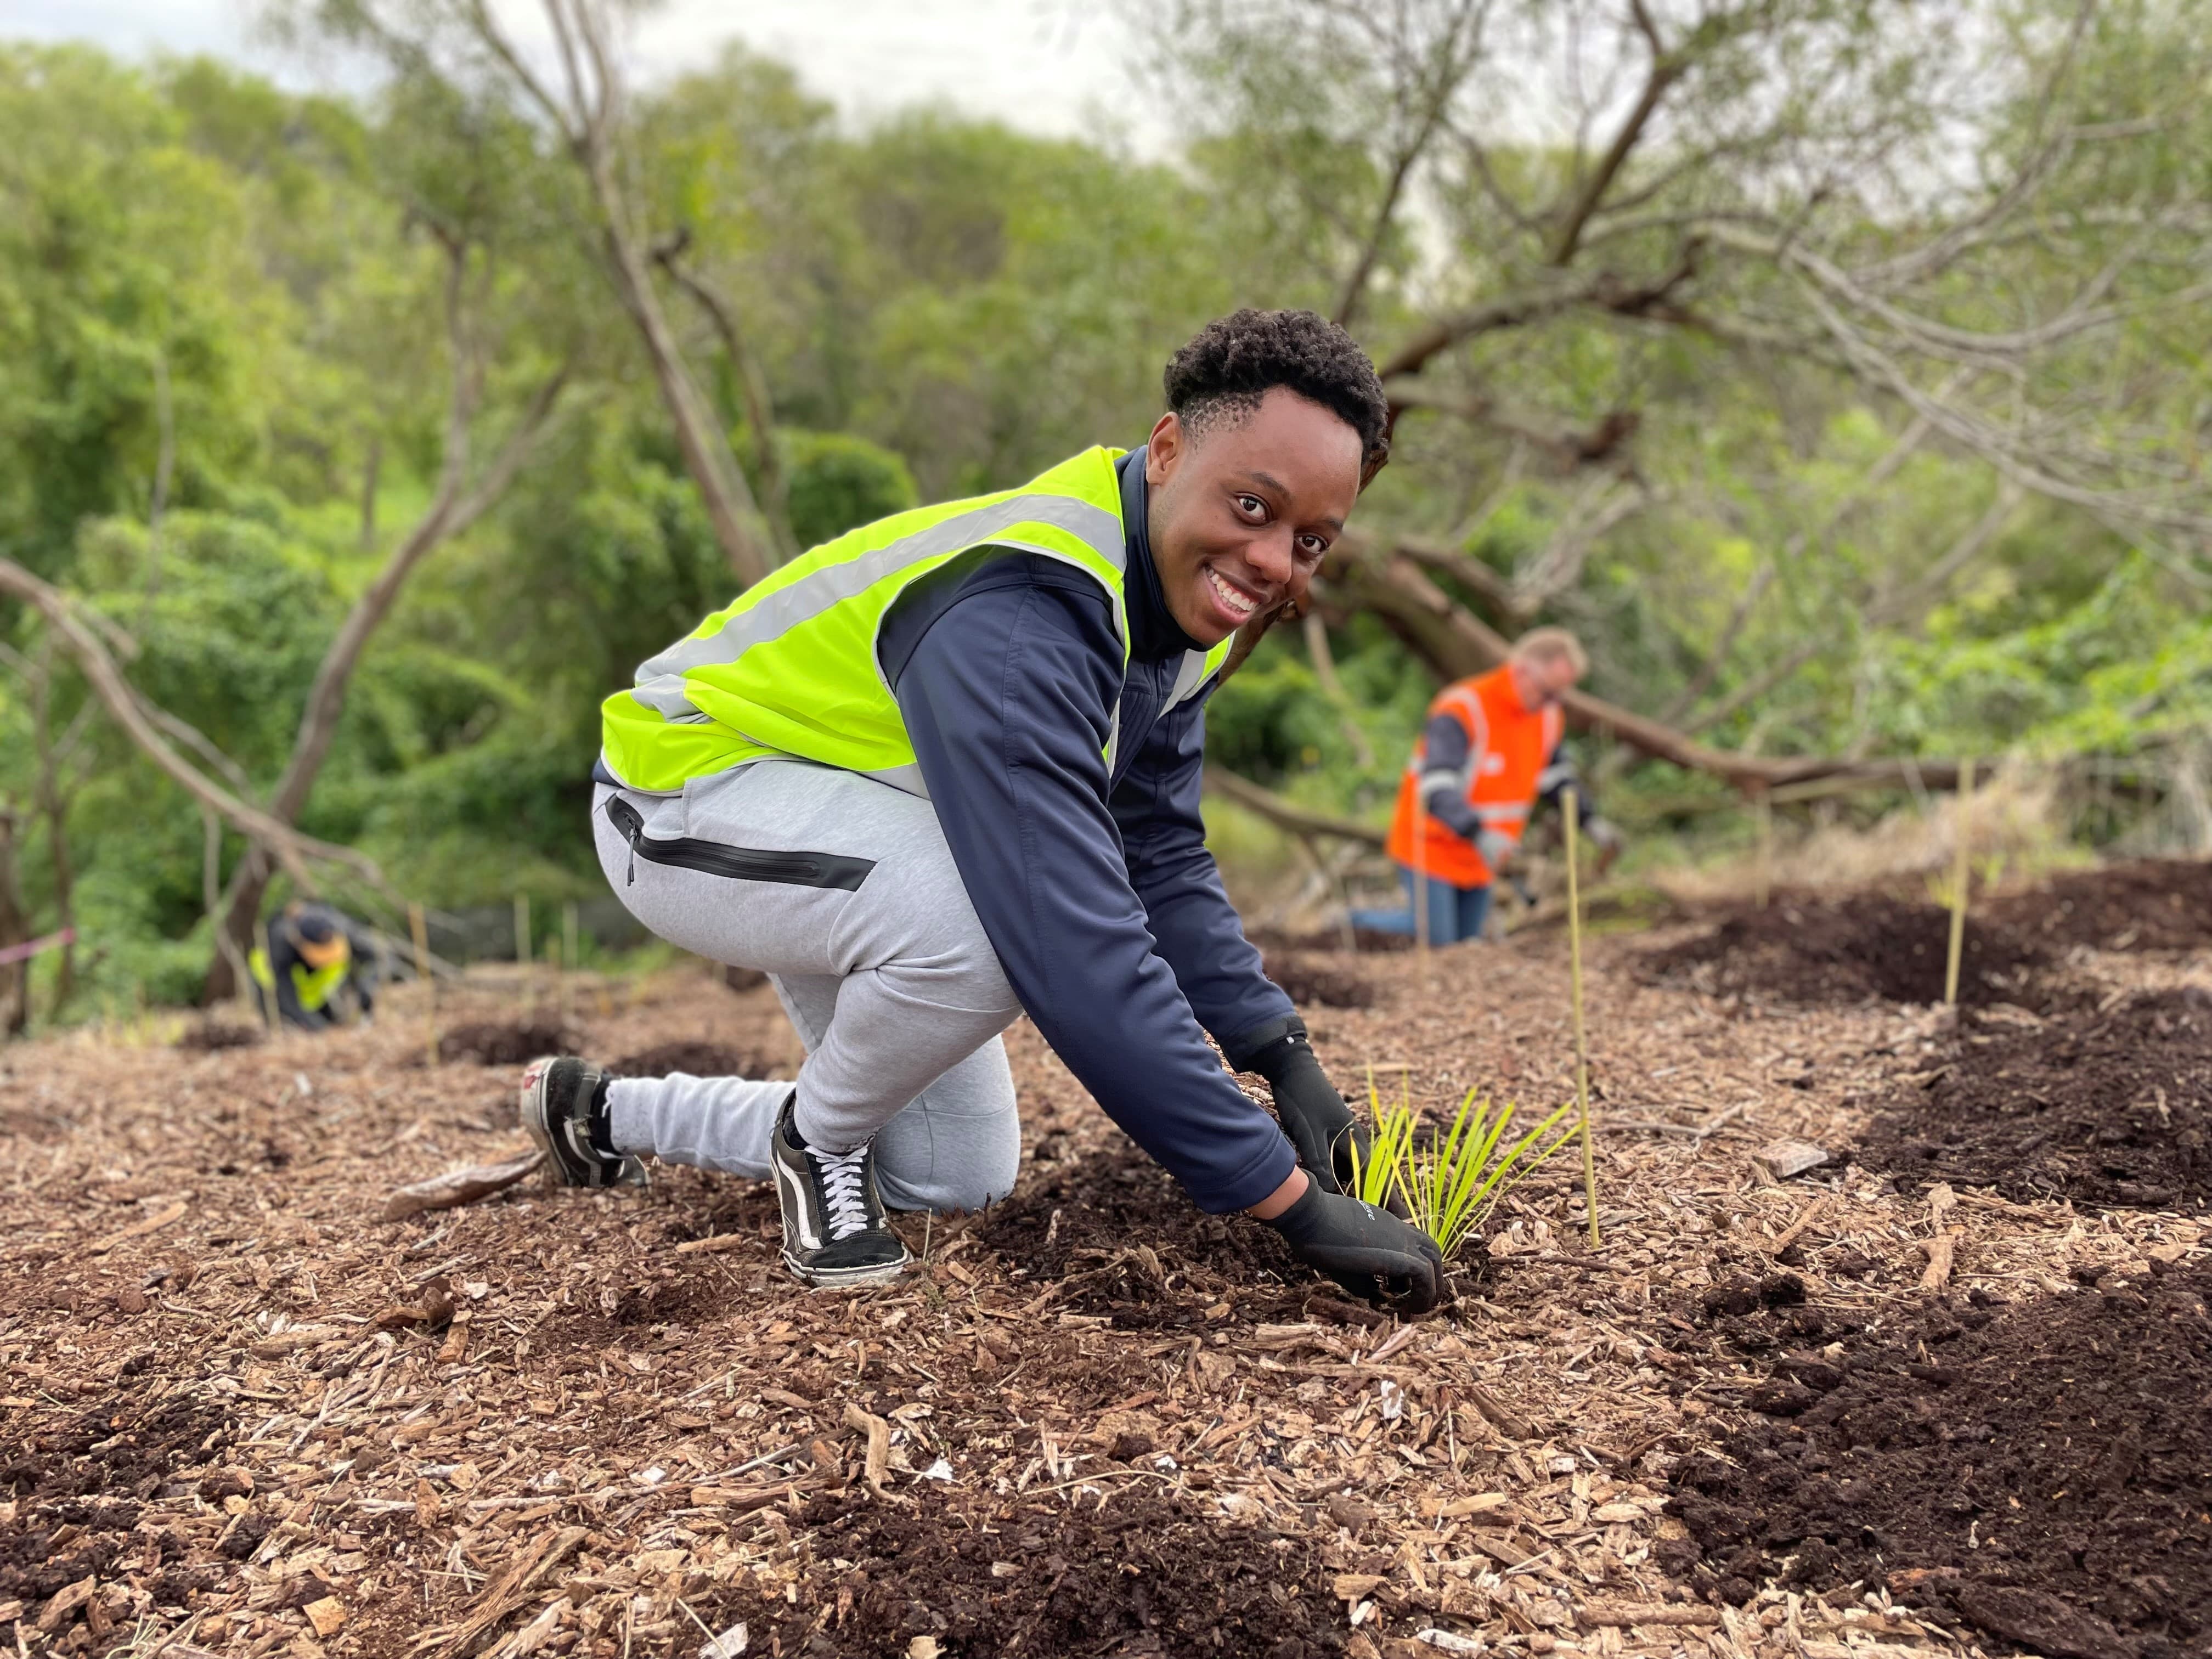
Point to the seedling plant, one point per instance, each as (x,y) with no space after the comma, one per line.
(1450,1182)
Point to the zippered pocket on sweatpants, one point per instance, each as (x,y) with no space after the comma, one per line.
(713,858)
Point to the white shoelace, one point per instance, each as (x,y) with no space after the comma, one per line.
(842,1190)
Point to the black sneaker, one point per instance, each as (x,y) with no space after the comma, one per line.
(834,1231)
(564,1109)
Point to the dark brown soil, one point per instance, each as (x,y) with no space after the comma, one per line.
(2154,904)
(1367,941)
(1310,982)
(2105,1108)
(694,1059)
(1817,950)
(79,1489)
(2042,1473)
(211,1035)
(1079,1225)
(1148,1575)
(492,1042)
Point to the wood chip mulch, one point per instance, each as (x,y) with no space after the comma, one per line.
(240,1414)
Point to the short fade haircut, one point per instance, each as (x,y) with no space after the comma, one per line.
(1234,361)
(1552,645)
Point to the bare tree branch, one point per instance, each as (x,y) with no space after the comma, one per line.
(1666,69)
(123,701)
(1265,803)
(1723,647)
(760,408)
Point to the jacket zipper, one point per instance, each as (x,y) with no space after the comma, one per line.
(827,870)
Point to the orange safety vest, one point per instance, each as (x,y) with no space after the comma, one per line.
(1506,749)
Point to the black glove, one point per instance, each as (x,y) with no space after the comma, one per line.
(1314,1115)
(1370,1252)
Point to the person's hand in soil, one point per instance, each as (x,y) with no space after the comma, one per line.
(1314,1114)
(1368,1250)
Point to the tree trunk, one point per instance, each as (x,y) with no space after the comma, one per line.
(731,509)
(14,929)
(450,514)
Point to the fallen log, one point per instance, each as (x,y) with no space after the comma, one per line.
(1298,820)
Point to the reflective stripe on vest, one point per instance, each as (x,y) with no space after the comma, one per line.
(790,667)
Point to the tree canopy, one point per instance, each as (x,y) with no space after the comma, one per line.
(1834,367)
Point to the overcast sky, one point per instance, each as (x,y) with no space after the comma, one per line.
(1055,66)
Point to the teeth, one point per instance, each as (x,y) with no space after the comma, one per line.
(1241,604)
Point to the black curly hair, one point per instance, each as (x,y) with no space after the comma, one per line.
(1233,362)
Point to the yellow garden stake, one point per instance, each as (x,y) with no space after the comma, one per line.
(1762,812)
(522,952)
(414,926)
(1420,880)
(1959,875)
(1570,804)
(570,955)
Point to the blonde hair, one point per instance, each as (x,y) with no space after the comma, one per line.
(1549,645)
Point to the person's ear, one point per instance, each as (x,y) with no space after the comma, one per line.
(1163,450)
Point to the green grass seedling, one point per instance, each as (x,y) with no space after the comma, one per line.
(1380,1175)
(1450,1184)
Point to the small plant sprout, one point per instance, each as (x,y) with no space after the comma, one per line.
(1450,1184)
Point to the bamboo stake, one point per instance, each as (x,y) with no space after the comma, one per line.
(569,955)
(1570,811)
(1762,809)
(522,952)
(1420,880)
(414,926)
(1959,873)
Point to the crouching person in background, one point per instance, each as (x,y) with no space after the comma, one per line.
(315,967)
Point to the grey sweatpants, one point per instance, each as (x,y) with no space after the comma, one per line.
(891,984)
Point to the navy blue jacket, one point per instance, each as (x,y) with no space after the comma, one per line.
(1097,891)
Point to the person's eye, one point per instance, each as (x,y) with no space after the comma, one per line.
(1312,547)
(1252,507)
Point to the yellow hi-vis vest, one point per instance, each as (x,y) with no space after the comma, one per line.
(789,667)
(313,989)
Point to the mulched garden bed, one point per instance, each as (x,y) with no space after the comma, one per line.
(211,1036)
(2153,904)
(501,1042)
(1122,1239)
(1310,982)
(1147,1574)
(1818,949)
(2110,1107)
(2040,1473)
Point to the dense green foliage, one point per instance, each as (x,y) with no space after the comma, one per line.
(224,387)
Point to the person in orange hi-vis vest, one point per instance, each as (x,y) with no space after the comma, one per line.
(1490,751)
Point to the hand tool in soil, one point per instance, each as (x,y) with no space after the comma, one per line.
(1365,1248)
(1569,809)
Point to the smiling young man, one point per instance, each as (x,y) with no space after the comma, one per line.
(945,770)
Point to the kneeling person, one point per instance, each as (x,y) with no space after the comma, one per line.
(946,769)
